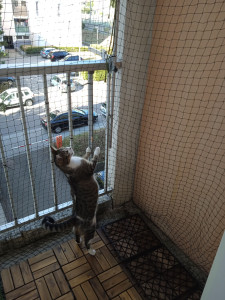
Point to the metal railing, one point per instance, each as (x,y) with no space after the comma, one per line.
(22,29)
(43,69)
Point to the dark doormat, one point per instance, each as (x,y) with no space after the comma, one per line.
(151,265)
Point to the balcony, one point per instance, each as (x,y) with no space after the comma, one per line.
(164,157)
(22,29)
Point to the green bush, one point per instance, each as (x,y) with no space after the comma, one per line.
(4,86)
(99,75)
(74,49)
(31,49)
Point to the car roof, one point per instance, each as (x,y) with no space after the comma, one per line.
(16,90)
(48,48)
(58,50)
(58,112)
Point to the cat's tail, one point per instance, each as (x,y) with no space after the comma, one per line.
(50,224)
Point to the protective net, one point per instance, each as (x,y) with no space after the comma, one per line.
(150,75)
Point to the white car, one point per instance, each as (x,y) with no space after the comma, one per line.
(61,81)
(10,97)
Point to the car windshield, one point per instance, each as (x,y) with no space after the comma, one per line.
(4,95)
(80,111)
(53,115)
(65,81)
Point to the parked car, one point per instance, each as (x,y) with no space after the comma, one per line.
(45,52)
(60,80)
(59,120)
(57,54)
(71,58)
(103,109)
(10,80)
(100,177)
(10,97)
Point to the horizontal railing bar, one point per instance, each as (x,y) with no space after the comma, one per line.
(50,210)
(27,69)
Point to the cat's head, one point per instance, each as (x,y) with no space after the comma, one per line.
(62,155)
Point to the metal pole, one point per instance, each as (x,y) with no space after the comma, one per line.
(27,147)
(7,182)
(107,132)
(49,130)
(90,109)
(69,108)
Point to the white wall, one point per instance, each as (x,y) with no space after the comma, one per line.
(55,23)
(7,19)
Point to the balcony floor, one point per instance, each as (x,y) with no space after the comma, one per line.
(130,263)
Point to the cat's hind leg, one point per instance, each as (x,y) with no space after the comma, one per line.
(77,235)
(87,239)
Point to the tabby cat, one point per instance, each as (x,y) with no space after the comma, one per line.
(84,191)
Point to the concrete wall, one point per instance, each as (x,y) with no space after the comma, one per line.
(179,179)
(134,40)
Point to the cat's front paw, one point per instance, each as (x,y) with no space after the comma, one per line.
(92,251)
(88,150)
(97,151)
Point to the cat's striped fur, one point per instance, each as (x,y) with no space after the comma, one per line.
(84,191)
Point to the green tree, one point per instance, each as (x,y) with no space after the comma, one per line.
(87,8)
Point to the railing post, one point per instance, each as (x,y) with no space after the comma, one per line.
(90,109)
(7,182)
(27,146)
(50,139)
(107,132)
(69,108)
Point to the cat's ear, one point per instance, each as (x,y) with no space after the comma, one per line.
(54,150)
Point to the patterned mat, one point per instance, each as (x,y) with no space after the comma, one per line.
(152,266)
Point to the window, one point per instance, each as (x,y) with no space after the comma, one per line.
(75,115)
(58,10)
(37,8)
(23,3)
(63,117)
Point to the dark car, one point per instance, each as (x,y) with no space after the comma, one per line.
(57,54)
(72,58)
(10,80)
(60,121)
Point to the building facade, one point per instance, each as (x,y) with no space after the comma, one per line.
(55,22)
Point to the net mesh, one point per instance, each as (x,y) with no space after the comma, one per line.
(165,135)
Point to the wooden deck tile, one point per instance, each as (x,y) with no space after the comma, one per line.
(21,292)
(79,293)
(89,291)
(100,292)
(61,281)
(119,288)
(7,280)
(17,276)
(67,272)
(26,272)
(81,278)
(44,271)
